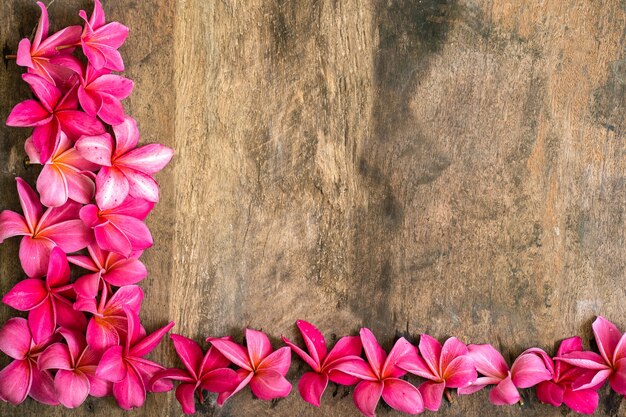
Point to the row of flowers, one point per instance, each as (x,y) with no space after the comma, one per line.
(84,337)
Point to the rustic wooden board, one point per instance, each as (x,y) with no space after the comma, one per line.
(450,167)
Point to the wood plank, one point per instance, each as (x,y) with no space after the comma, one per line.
(449,167)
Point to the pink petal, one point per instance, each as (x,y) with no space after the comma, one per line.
(42,25)
(584,359)
(56,356)
(111,112)
(147,344)
(311,387)
(399,351)
(189,353)
(314,340)
(618,378)
(110,238)
(133,207)
(101,334)
(592,380)
(551,393)
(620,349)
(461,372)
(24,58)
(134,229)
(46,92)
(430,349)
(413,363)
(170,373)
(98,387)
(31,207)
(147,370)
(87,285)
(58,269)
(12,224)
(77,123)
(126,136)
(112,35)
(26,294)
(97,18)
(42,321)
(402,396)
(504,393)
(70,235)
(346,346)
(268,384)
(185,394)
(130,391)
(366,396)
(570,345)
(607,337)
(34,255)
(148,159)
(488,361)
(68,211)
(233,351)
(584,401)
(141,185)
(90,101)
(341,378)
(477,385)
(76,344)
(452,349)
(114,85)
(16,380)
(112,366)
(357,368)
(277,361)
(67,317)
(244,377)
(432,392)
(15,338)
(80,187)
(52,186)
(31,152)
(126,272)
(529,370)
(111,188)
(73,388)
(213,359)
(42,387)
(129,296)
(97,149)
(375,354)
(28,113)
(64,37)
(220,380)
(303,355)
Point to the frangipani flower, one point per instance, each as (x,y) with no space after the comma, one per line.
(53,112)
(76,366)
(559,390)
(22,377)
(39,56)
(126,169)
(381,377)
(65,175)
(111,267)
(126,367)
(120,229)
(108,325)
(446,367)
(100,41)
(528,370)
(47,301)
(610,364)
(58,226)
(313,384)
(261,367)
(209,372)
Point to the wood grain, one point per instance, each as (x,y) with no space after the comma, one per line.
(449,167)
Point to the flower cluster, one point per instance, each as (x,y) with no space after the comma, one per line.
(82,337)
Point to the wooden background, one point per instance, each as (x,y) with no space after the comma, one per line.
(450,167)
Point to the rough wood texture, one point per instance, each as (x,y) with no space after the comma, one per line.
(450,167)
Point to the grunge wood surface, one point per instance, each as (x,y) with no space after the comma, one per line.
(450,167)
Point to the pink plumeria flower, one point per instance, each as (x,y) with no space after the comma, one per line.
(447,366)
(381,377)
(107,327)
(261,367)
(610,364)
(313,384)
(559,390)
(75,364)
(120,229)
(66,175)
(58,226)
(202,372)
(39,56)
(51,113)
(100,40)
(528,370)
(110,267)
(126,367)
(22,377)
(126,169)
(49,301)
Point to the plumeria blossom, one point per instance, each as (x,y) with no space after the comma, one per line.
(202,372)
(610,364)
(313,384)
(66,175)
(380,376)
(58,226)
(107,327)
(559,389)
(39,56)
(126,367)
(48,302)
(120,229)
(100,40)
(447,366)
(22,377)
(260,366)
(110,267)
(75,364)
(50,113)
(126,169)
(527,370)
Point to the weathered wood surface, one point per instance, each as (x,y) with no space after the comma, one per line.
(450,167)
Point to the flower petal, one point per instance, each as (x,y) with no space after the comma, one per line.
(130,391)
(134,229)
(402,396)
(277,361)
(52,186)
(111,188)
(258,344)
(607,337)
(432,392)
(617,379)
(56,356)
(28,113)
(268,384)
(34,255)
(346,346)
(488,361)
(551,393)
(148,343)
(529,370)
(16,380)
(73,388)
(312,386)
(185,394)
(112,366)
(26,294)
(141,185)
(303,355)
(97,149)
(189,353)
(452,349)
(101,334)
(110,238)
(461,372)
(42,321)
(584,401)
(314,340)
(70,235)
(430,349)
(126,135)
(366,396)
(31,207)
(12,224)
(77,123)
(15,338)
(504,393)
(233,351)
(220,380)
(47,93)
(375,354)
(358,368)
(42,387)
(148,159)
(400,349)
